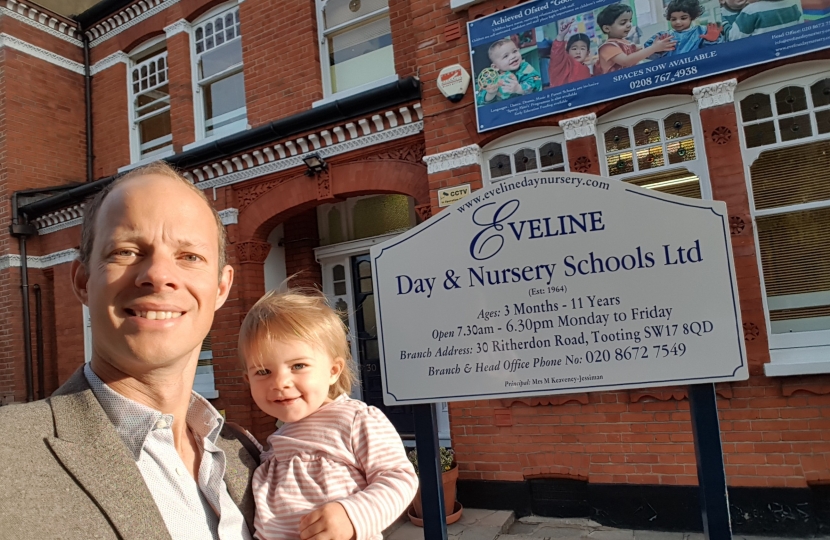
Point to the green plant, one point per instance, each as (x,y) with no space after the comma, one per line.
(447,459)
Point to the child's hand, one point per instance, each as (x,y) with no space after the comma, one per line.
(712,32)
(511,85)
(564,31)
(490,91)
(329,522)
(663,44)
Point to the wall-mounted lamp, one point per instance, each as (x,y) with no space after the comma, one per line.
(315,163)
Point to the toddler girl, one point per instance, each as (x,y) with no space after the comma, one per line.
(336,466)
(569,62)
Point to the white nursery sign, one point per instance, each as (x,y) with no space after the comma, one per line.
(556,283)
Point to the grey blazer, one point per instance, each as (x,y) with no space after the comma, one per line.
(65,473)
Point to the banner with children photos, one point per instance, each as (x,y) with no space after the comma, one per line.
(548,56)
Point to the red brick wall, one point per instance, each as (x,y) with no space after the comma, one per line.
(282,58)
(180,76)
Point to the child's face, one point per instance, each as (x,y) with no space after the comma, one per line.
(680,21)
(736,5)
(506,57)
(579,51)
(291,380)
(620,28)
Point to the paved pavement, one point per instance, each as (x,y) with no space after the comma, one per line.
(501,525)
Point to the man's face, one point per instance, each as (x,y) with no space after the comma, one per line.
(680,21)
(620,28)
(506,57)
(578,51)
(153,281)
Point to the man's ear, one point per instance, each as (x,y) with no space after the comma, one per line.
(79,277)
(225,282)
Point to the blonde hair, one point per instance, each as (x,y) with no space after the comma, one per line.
(158,168)
(300,314)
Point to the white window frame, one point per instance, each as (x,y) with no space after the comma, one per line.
(346,209)
(198,95)
(322,36)
(657,109)
(136,158)
(526,138)
(796,353)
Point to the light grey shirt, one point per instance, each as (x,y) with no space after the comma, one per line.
(191,510)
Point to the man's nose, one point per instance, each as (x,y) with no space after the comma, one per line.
(158,271)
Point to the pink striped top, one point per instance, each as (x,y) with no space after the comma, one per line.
(346,452)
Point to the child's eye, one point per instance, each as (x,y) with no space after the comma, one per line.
(262,372)
(298,367)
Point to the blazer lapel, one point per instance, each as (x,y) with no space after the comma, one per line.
(90,449)
(239,470)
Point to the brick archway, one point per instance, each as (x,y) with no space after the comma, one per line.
(276,200)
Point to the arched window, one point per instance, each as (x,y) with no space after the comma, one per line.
(525,151)
(785,125)
(656,149)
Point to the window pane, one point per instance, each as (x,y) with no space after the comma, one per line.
(759,134)
(681,151)
(551,154)
(791,99)
(151,101)
(679,182)
(795,256)
(499,166)
(154,134)
(823,121)
(221,58)
(795,127)
(649,158)
(380,215)
(755,107)
(677,125)
(361,55)
(794,175)
(338,273)
(225,101)
(821,93)
(620,163)
(340,288)
(617,139)
(335,227)
(341,11)
(646,132)
(525,160)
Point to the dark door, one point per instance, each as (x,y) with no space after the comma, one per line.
(367,338)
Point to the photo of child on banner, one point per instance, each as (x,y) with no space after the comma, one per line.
(508,75)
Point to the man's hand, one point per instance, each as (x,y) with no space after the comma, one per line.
(329,522)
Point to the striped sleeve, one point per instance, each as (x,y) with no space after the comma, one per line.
(391,479)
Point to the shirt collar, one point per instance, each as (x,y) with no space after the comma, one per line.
(134,421)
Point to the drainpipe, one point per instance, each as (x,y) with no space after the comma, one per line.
(21,229)
(41,363)
(88,100)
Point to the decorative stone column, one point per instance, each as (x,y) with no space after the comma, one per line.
(726,175)
(581,142)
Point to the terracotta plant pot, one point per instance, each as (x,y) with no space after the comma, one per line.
(448,481)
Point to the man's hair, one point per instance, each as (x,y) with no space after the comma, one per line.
(576,38)
(300,314)
(159,168)
(610,14)
(499,43)
(692,7)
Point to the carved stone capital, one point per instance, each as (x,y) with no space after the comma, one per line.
(713,95)
(581,126)
(247,195)
(424,211)
(252,251)
(453,159)
(176,28)
(323,185)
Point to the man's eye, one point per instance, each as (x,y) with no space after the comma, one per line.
(190,257)
(123,253)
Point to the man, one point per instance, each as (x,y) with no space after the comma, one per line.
(124,449)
